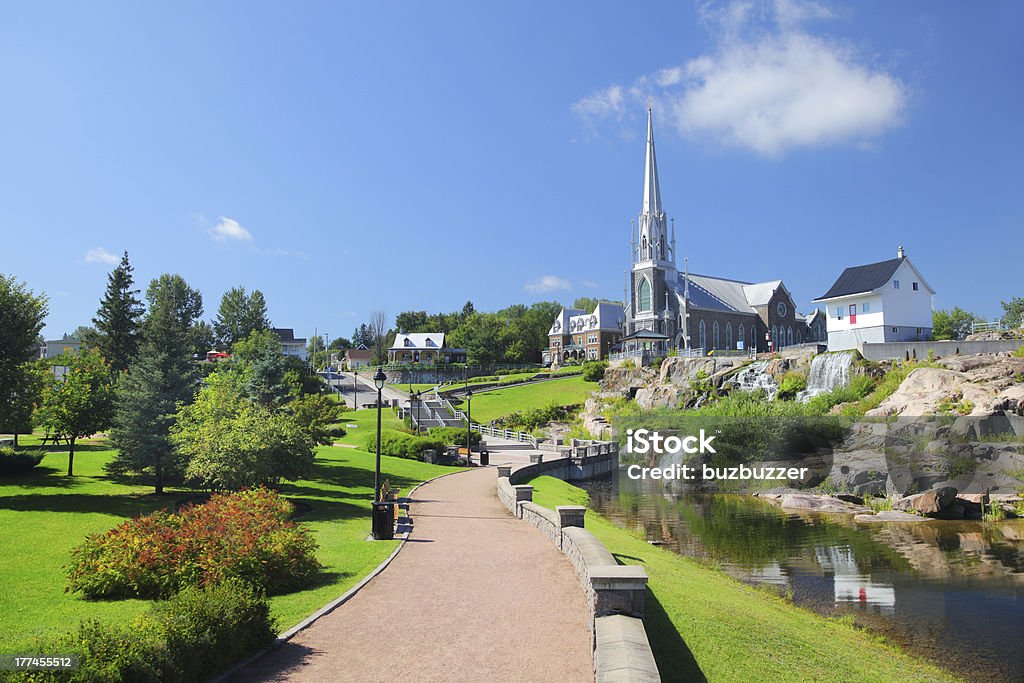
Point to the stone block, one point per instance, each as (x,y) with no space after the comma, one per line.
(536,458)
(524,492)
(618,590)
(570,515)
(504,471)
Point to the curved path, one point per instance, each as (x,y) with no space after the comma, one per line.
(475,595)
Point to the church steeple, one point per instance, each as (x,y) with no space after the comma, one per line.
(653,225)
(652,189)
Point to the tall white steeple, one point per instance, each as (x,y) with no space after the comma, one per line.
(654,244)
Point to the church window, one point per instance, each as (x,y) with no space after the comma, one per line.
(739,334)
(781,308)
(753,337)
(644,295)
(703,335)
(789,336)
(714,335)
(728,335)
(775,336)
(643,247)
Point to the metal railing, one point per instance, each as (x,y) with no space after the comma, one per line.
(986,326)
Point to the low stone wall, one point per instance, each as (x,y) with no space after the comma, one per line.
(615,593)
(919,350)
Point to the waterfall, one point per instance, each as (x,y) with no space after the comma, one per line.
(754,377)
(828,371)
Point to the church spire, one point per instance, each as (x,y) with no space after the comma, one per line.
(652,189)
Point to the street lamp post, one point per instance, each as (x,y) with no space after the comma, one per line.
(378,520)
(469,425)
(418,412)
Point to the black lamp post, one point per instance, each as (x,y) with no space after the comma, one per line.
(378,381)
(355,389)
(469,425)
(418,412)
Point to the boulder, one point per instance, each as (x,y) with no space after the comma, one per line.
(929,502)
(890,516)
(850,498)
(813,503)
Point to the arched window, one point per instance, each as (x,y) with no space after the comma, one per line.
(643,247)
(644,295)
(703,335)
(789,336)
(714,335)
(728,335)
(775,336)
(753,337)
(739,334)
(661,247)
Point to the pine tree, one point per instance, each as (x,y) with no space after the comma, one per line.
(117,320)
(161,378)
(239,315)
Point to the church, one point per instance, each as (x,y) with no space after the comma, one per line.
(697,314)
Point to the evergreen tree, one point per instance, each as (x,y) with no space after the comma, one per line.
(161,378)
(240,315)
(117,320)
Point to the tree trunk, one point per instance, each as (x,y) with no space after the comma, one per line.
(15,439)
(71,456)
(159,483)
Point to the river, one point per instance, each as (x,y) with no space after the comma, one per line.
(952,592)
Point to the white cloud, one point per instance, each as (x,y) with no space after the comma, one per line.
(769,85)
(229,229)
(590,284)
(609,102)
(547,283)
(101,255)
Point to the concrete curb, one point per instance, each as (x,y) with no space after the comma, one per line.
(331,606)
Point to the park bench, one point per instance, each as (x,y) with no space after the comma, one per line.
(55,439)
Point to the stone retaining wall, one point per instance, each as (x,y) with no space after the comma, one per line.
(919,350)
(615,593)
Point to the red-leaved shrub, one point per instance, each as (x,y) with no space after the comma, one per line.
(245,535)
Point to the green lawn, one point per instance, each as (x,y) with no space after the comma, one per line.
(490,405)
(45,514)
(472,380)
(702,622)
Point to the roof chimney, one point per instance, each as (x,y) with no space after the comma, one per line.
(899,252)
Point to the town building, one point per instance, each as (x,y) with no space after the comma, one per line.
(290,344)
(579,335)
(51,348)
(358,357)
(697,314)
(423,347)
(888,301)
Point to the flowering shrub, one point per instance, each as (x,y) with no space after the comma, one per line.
(243,535)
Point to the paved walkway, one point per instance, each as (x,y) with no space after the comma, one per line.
(475,595)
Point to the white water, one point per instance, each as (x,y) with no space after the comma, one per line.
(828,371)
(754,377)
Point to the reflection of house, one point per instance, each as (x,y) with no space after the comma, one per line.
(291,345)
(424,347)
(888,301)
(55,347)
(578,335)
(358,357)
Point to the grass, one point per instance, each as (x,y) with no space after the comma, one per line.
(491,405)
(704,625)
(45,514)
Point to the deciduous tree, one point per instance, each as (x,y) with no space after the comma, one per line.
(21,320)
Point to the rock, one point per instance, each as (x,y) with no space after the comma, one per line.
(812,503)
(850,498)
(928,502)
(890,516)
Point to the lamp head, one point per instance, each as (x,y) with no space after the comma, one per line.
(379,378)
(469,394)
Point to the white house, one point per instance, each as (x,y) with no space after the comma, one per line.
(52,348)
(290,344)
(878,302)
(423,347)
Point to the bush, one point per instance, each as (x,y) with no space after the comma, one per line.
(402,445)
(594,371)
(243,535)
(1019,353)
(17,462)
(566,371)
(792,383)
(528,420)
(453,436)
(194,635)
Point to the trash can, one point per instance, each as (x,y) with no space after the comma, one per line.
(383,521)
(485,457)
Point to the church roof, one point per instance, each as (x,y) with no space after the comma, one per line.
(730,296)
(761,293)
(860,279)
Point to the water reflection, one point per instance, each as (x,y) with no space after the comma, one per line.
(952,591)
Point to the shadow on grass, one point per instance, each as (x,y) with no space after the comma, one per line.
(674,659)
(43,476)
(120,505)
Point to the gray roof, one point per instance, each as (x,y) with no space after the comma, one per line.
(860,279)
(720,294)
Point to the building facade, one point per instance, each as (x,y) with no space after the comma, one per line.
(578,335)
(878,302)
(425,348)
(290,344)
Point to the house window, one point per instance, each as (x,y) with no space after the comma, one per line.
(895,330)
(839,312)
(865,307)
(644,295)
(714,334)
(895,284)
(703,335)
(920,330)
(914,286)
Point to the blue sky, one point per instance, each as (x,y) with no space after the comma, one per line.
(349,157)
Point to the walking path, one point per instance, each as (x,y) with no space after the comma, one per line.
(475,595)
